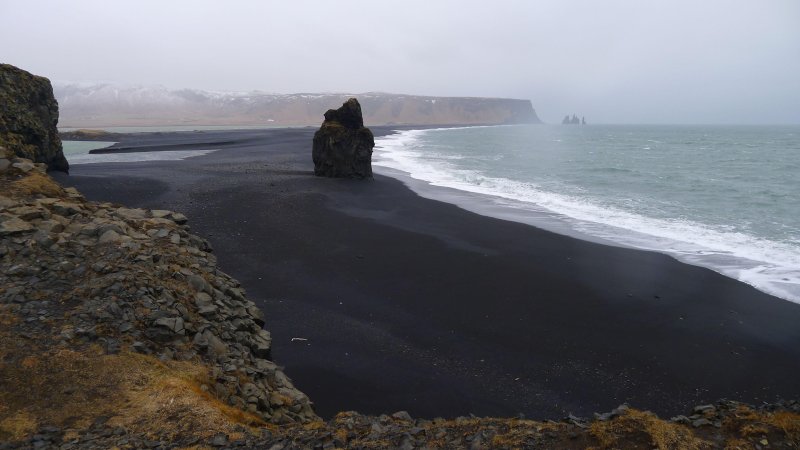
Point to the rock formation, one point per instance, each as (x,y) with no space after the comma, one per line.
(343,146)
(574,120)
(28,118)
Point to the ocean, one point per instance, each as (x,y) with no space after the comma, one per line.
(77,152)
(722,197)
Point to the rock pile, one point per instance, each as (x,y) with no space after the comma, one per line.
(744,427)
(80,273)
(28,118)
(343,146)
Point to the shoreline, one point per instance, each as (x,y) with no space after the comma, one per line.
(415,304)
(537,217)
(729,261)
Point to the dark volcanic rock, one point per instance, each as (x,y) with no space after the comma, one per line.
(28,118)
(82,273)
(342,145)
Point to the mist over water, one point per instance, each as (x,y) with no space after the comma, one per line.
(723,197)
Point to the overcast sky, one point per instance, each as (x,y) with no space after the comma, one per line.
(612,61)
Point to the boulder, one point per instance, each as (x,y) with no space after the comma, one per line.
(28,118)
(343,146)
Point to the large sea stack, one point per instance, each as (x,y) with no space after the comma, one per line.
(343,145)
(28,118)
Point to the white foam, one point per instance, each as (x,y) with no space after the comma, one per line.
(167,155)
(773,267)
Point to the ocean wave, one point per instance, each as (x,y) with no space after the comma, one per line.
(771,266)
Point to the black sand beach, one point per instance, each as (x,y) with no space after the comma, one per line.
(405,303)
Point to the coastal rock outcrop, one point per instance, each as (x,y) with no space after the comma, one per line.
(343,145)
(125,286)
(574,120)
(28,118)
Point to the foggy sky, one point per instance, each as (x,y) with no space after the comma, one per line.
(612,61)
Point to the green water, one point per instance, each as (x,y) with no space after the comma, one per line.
(83,147)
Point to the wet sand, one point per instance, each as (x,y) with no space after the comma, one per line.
(413,304)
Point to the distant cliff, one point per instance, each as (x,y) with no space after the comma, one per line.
(28,118)
(108,105)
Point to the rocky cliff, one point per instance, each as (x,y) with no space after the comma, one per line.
(123,286)
(28,118)
(342,146)
(108,105)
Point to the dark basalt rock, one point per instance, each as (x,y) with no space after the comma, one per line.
(28,118)
(342,145)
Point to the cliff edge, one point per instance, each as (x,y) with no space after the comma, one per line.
(104,105)
(29,118)
(130,281)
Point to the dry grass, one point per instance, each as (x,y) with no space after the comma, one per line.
(7,318)
(341,434)
(72,389)
(34,183)
(754,429)
(737,444)
(787,422)
(519,431)
(175,397)
(636,426)
(16,426)
(748,423)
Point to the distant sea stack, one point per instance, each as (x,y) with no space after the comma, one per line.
(574,120)
(29,118)
(342,146)
(105,105)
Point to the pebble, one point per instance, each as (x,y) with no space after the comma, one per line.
(701,423)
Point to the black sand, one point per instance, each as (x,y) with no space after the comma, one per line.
(413,304)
